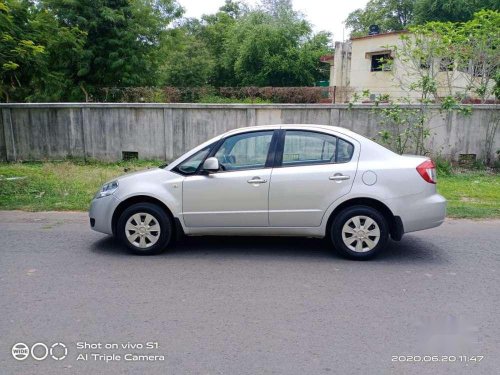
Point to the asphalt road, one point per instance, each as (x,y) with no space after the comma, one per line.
(248,305)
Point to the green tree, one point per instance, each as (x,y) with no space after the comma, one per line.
(393,15)
(122,38)
(269,46)
(273,48)
(187,60)
(451,10)
(66,50)
(389,15)
(55,74)
(233,8)
(478,56)
(214,31)
(19,54)
(277,8)
(426,64)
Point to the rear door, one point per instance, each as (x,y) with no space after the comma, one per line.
(312,170)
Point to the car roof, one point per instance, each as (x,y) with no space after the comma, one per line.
(295,126)
(327,128)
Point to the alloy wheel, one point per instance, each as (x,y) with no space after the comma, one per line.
(142,230)
(360,233)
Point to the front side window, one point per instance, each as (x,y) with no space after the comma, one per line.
(191,164)
(245,151)
(305,147)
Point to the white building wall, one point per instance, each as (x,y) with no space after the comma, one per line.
(362,78)
(352,71)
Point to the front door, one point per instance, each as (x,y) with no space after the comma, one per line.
(237,195)
(316,169)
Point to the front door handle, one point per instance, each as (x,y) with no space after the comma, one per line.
(339,177)
(257,180)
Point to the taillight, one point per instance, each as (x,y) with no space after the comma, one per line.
(428,171)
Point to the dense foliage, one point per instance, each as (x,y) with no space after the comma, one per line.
(389,15)
(59,50)
(393,15)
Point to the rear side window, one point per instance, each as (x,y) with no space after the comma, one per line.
(344,151)
(306,147)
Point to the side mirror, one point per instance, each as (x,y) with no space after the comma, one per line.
(211,165)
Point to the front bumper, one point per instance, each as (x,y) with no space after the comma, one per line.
(101,213)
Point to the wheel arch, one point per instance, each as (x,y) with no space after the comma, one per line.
(396,229)
(141,199)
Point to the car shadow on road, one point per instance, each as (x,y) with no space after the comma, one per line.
(413,249)
(410,250)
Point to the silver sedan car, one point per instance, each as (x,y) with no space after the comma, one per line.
(279,180)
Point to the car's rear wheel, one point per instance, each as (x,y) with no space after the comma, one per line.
(145,229)
(359,232)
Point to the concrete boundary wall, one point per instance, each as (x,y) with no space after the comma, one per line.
(41,131)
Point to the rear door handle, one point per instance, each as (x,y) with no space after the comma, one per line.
(339,177)
(257,180)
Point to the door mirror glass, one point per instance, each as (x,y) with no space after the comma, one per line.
(211,165)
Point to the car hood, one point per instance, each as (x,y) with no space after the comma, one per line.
(152,174)
(147,174)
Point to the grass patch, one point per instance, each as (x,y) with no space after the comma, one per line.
(70,185)
(471,194)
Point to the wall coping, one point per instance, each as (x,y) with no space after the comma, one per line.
(219,106)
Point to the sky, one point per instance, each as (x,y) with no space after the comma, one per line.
(326,15)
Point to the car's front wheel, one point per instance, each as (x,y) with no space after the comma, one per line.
(145,229)
(359,232)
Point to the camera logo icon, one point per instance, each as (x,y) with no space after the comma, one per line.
(58,351)
(20,351)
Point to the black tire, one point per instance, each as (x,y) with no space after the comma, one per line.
(162,219)
(344,217)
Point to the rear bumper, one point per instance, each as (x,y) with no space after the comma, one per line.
(101,214)
(420,212)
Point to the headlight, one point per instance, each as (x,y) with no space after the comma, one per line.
(107,189)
